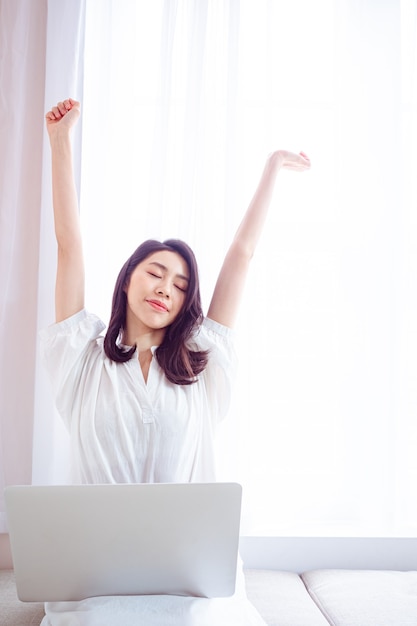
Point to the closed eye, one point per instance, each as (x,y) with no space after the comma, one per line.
(154,275)
(183,289)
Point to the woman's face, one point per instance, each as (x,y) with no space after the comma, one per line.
(156,291)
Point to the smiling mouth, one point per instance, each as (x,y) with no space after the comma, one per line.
(158,306)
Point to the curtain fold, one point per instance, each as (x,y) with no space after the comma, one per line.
(64,77)
(41,47)
(22,81)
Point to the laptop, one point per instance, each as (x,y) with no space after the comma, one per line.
(71,542)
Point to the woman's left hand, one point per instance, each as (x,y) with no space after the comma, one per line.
(291,160)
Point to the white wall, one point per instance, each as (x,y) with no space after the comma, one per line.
(300,554)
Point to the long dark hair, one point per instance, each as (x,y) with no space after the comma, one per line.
(180,364)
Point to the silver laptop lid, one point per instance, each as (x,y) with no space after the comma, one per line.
(71,542)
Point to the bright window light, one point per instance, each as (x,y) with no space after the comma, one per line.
(182,103)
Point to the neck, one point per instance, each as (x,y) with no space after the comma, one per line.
(144,340)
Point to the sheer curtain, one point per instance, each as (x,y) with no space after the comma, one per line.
(22,53)
(41,46)
(182,100)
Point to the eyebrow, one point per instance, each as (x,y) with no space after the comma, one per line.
(165,269)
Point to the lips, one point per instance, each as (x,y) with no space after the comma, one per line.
(158,305)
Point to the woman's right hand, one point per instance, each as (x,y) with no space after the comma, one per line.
(62,117)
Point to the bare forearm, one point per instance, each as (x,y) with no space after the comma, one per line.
(228,290)
(231,280)
(64,193)
(251,226)
(69,288)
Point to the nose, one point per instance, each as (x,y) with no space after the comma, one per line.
(163,290)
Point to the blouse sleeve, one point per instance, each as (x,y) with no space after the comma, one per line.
(66,348)
(220,372)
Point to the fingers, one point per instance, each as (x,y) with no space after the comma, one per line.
(296,162)
(301,162)
(61,109)
(306,164)
(57,112)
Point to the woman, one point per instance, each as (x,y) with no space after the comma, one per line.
(142,403)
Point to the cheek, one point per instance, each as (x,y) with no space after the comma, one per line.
(180,303)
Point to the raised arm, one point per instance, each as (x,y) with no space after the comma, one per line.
(69,288)
(230,283)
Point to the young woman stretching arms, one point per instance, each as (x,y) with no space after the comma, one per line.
(141,403)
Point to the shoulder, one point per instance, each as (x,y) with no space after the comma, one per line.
(218,340)
(83,323)
(211,331)
(72,335)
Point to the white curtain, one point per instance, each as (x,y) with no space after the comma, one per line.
(182,100)
(41,46)
(22,76)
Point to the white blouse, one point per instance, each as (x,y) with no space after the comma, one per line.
(125,430)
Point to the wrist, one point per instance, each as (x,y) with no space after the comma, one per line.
(60,140)
(276,158)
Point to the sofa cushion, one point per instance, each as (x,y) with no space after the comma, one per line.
(364,597)
(281,598)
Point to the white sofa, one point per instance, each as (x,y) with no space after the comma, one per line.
(314,598)
(336,597)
